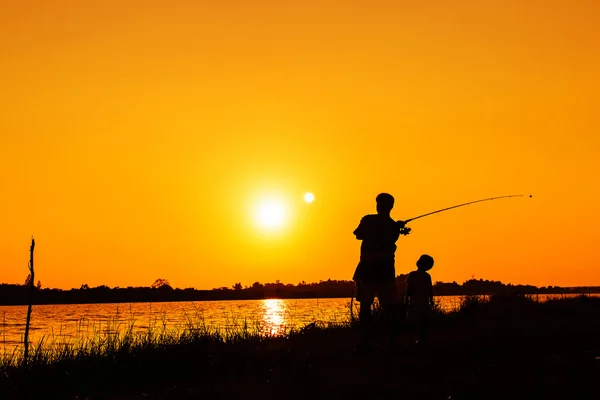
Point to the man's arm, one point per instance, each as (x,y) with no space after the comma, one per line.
(396,233)
(360,231)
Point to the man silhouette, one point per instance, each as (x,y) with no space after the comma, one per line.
(375,274)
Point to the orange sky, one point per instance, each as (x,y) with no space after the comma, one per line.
(136,136)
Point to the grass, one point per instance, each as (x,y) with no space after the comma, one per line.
(114,337)
(201,356)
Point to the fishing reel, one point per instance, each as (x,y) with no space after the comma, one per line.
(404,230)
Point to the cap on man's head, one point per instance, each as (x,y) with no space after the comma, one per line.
(425,262)
(385,199)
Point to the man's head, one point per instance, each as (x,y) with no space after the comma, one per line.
(385,203)
(425,262)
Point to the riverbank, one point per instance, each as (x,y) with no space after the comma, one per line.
(503,348)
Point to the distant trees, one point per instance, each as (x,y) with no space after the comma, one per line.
(161,290)
(480,286)
(161,283)
(38,285)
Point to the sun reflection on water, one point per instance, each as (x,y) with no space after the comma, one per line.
(273,316)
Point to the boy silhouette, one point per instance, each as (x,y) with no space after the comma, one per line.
(419,296)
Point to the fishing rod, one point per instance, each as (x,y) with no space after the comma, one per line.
(464,204)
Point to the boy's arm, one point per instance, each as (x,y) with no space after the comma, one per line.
(430,291)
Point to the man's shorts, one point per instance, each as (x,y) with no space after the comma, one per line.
(386,291)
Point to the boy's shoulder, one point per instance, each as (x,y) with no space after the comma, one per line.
(412,275)
(418,274)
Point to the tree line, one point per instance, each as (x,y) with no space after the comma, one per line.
(161,290)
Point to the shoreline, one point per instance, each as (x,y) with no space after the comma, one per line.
(110,301)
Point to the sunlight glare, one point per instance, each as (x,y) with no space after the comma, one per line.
(309,197)
(271,213)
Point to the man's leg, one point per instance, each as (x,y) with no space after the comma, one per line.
(366,298)
(392,307)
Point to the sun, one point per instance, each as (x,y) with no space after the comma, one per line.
(309,197)
(271,213)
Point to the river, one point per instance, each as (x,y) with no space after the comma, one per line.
(72,323)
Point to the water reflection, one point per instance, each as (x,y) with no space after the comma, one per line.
(274,320)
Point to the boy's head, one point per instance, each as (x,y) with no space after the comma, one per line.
(425,262)
(385,203)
